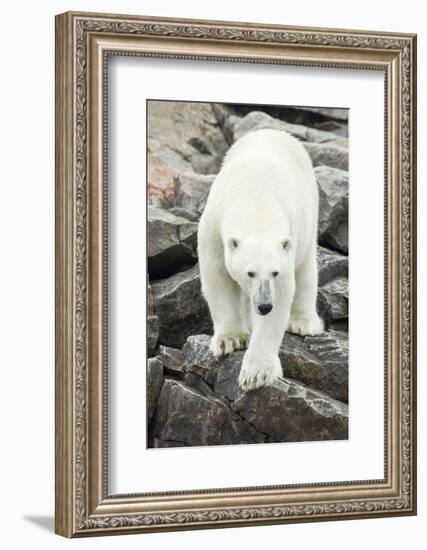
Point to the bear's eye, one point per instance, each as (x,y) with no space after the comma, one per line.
(275,273)
(251,274)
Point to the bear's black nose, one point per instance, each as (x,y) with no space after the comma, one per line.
(264,309)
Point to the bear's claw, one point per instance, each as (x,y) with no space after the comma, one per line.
(225,344)
(259,371)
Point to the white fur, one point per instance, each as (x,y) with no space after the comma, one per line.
(260,218)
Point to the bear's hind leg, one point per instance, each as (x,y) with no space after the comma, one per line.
(304,318)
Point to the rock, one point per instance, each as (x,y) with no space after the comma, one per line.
(331,154)
(206,164)
(331,265)
(150,300)
(181,308)
(320,362)
(181,213)
(154,385)
(184,127)
(289,411)
(332,300)
(182,137)
(172,242)
(324,148)
(173,360)
(224,113)
(162,168)
(328,154)
(158,201)
(192,191)
(327,112)
(222,374)
(194,137)
(340,325)
(202,404)
(185,417)
(329,125)
(333,207)
(196,354)
(258,120)
(329,120)
(152,324)
(198,144)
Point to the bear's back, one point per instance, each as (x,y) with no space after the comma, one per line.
(269,145)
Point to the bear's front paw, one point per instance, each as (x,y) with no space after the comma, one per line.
(223,344)
(309,326)
(259,371)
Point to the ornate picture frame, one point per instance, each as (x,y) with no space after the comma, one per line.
(83,43)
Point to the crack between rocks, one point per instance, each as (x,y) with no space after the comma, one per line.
(176,441)
(237,413)
(265,434)
(328,246)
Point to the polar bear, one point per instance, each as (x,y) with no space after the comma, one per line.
(257,251)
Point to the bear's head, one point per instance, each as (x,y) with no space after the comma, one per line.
(261,268)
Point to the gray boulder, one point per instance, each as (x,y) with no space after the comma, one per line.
(332,300)
(328,119)
(289,411)
(152,324)
(331,154)
(320,362)
(173,359)
(186,417)
(206,164)
(226,116)
(184,128)
(154,385)
(162,167)
(258,120)
(221,374)
(182,136)
(191,192)
(181,308)
(333,207)
(171,241)
(328,112)
(331,265)
(182,213)
(202,404)
(324,148)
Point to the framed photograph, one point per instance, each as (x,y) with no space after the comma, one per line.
(235,274)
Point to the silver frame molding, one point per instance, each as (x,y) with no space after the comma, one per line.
(83,43)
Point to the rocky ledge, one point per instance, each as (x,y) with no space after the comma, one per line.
(200,402)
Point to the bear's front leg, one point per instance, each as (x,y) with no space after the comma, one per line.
(230,331)
(261,364)
(224,299)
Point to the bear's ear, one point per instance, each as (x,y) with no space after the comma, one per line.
(233,244)
(286,244)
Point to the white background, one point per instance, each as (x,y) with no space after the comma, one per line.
(362,456)
(27,274)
